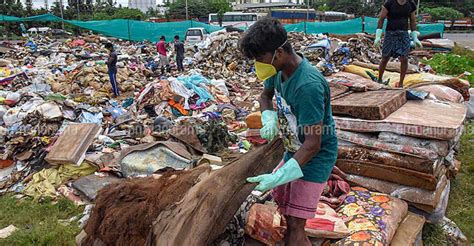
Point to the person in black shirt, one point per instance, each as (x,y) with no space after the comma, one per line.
(397,39)
(179,49)
(112,68)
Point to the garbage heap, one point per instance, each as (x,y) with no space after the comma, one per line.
(63,135)
(57,114)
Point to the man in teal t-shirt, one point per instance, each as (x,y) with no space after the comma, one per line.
(305,122)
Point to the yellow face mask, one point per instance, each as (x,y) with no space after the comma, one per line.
(265,70)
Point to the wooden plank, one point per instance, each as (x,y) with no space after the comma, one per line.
(201,216)
(370,105)
(72,144)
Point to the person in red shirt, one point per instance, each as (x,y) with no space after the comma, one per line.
(161,48)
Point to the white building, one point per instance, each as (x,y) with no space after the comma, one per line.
(142,5)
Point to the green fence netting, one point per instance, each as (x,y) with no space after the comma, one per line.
(124,29)
(143,30)
(338,27)
(424,29)
(9,18)
(45,17)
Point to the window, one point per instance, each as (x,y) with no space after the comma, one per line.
(193,33)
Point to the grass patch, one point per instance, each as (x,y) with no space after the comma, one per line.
(37,223)
(458,50)
(460,209)
(453,64)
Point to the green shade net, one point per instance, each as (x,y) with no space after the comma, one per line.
(143,30)
(424,29)
(337,27)
(45,17)
(124,29)
(7,18)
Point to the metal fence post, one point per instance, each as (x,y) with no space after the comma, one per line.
(128,24)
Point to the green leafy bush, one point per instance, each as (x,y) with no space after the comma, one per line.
(443,13)
(452,64)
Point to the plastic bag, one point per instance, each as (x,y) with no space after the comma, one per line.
(220,84)
(326,224)
(12,98)
(197,83)
(470,105)
(265,224)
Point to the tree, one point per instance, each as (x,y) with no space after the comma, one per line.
(321,5)
(349,6)
(443,13)
(126,13)
(197,8)
(29,6)
(464,6)
(220,16)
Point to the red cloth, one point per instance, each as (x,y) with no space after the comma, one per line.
(337,189)
(161,48)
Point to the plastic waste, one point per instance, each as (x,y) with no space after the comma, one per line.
(127,102)
(16,114)
(470,105)
(454,235)
(220,84)
(12,98)
(88,117)
(416,94)
(116,112)
(148,161)
(197,83)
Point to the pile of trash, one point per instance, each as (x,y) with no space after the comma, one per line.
(63,134)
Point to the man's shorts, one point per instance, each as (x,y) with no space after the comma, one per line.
(298,198)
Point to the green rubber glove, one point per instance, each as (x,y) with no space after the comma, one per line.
(288,172)
(414,37)
(269,122)
(378,37)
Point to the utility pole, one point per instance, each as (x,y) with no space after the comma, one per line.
(307,15)
(62,16)
(78,13)
(418,8)
(187,16)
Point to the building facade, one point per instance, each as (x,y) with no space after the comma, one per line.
(142,5)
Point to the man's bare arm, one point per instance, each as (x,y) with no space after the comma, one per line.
(382,16)
(266,100)
(311,145)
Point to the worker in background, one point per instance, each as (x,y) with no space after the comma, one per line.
(304,118)
(179,49)
(396,43)
(161,48)
(112,68)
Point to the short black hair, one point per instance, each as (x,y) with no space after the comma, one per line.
(176,37)
(109,46)
(162,38)
(265,35)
